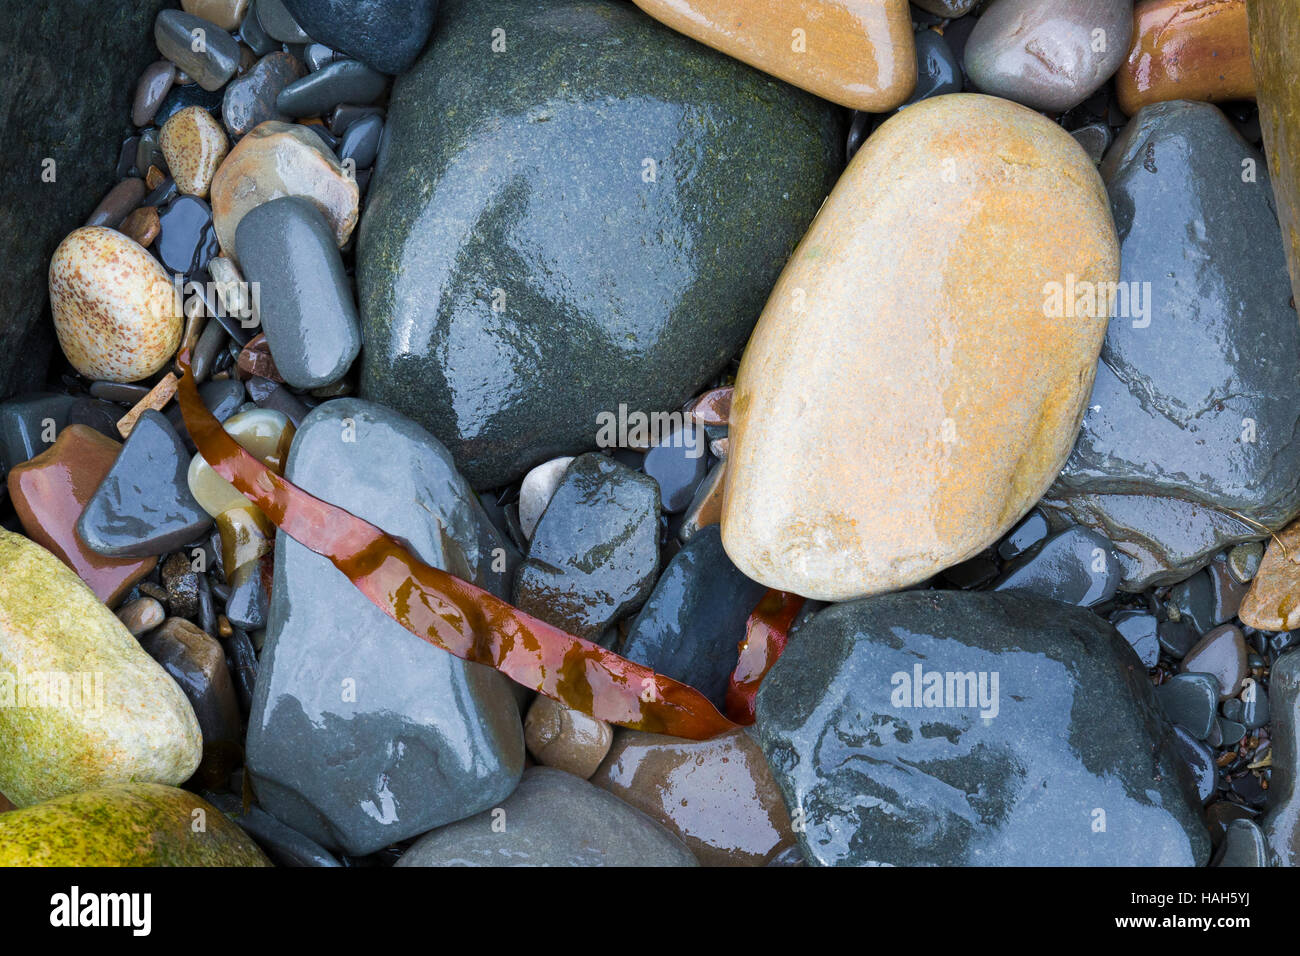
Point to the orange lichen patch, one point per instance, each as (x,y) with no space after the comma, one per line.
(157,399)
(912,388)
(50,492)
(1273,601)
(857,53)
(194,145)
(1186,50)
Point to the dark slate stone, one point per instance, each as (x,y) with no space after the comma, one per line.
(1243,845)
(361,141)
(1202,432)
(185,96)
(211,62)
(279,23)
(695,617)
(186,240)
(144,507)
(1194,599)
(1200,761)
(362,734)
(386,34)
(523,269)
(1142,631)
(594,554)
(1191,701)
(29,425)
(1076,566)
(250,99)
(678,465)
(553,819)
(1043,778)
(246,607)
(343,81)
(937,70)
(284,845)
(1281,824)
(69,80)
(1030,533)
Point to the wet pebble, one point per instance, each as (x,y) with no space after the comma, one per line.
(1142,631)
(121,200)
(226,14)
(678,465)
(202,49)
(343,81)
(1221,653)
(1191,701)
(194,144)
(154,85)
(536,489)
(564,738)
(1199,759)
(141,615)
(360,143)
(387,34)
(250,98)
(279,23)
(1243,845)
(1075,566)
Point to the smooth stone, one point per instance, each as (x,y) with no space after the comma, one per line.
(859,55)
(265,434)
(114,306)
(1274,37)
(1095,138)
(1199,759)
(536,489)
(49,493)
(1186,50)
(386,34)
(342,117)
(361,734)
(144,507)
(306,305)
(1172,414)
(198,665)
(181,582)
(1281,824)
(1243,845)
(183,97)
(250,99)
(279,23)
(275,160)
(121,200)
(594,555)
(1244,560)
(557,174)
(210,62)
(1044,53)
(1177,638)
(360,143)
(678,465)
(227,14)
(1029,534)
(142,226)
(694,619)
(249,601)
(564,738)
(718,796)
(130,824)
(1194,601)
(1191,701)
(194,145)
(946,8)
(141,615)
(938,71)
(1255,709)
(186,238)
(845,478)
(148,153)
(318,55)
(284,845)
(103,417)
(1231,732)
(1075,566)
(154,85)
(1142,631)
(123,720)
(705,508)
(1228,593)
(552,819)
(29,425)
(1273,601)
(880,783)
(344,81)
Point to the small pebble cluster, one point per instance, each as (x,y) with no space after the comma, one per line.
(970,323)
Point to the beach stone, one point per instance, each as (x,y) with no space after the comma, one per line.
(187,241)
(1075,566)
(1190,701)
(114,306)
(121,200)
(858,55)
(29,424)
(275,18)
(564,738)
(143,507)
(880,780)
(1048,54)
(284,845)
(600,304)
(718,796)
(227,14)
(1186,50)
(343,81)
(141,615)
(306,305)
(361,734)
(552,819)
(1186,448)
(194,144)
(695,618)
(386,34)
(705,508)
(51,491)
(205,52)
(250,98)
(1142,631)
(1243,845)
(678,465)
(536,489)
(1221,653)
(1024,537)
(142,226)
(183,97)
(130,824)
(1273,601)
(938,71)
(275,160)
(594,555)
(1199,759)
(154,85)
(118,718)
(361,141)
(1281,824)
(1244,561)
(845,478)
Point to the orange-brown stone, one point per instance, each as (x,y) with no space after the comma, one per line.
(858,53)
(1273,601)
(1186,50)
(50,492)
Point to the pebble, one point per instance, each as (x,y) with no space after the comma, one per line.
(705,508)
(361,734)
(978,428)
(620,307)
(227,14)
(1243,845)
(182,584)
(718,796)
(884,772)
(564,738)
(183,97)
(206,53)
(154,85)
(265,434)
(194,145)
(1029,534)
(144,507)
(1095,138)
(1186,50)
(713,407)
(1075,566)
(250,99)
(386,34)
(114,307)
(1273,601)
(695,617)
(1281,824)
(49,494)
(1193,599)
(1142,631)
(1244,560)
(678,465)
(1255,711)
(121,200)
(187,241)
(1177,638)
(284,845)
(279,23)
(141,615)
(360,143)
(552,819)
(536,489)
(125,720)
(1199,759)
(29,424)
(130,824)
(594,555)
(275,160)
(1046,53)
(343,81)
(938,70)
(1191,701)
(250,599)
(141,226)
(306,305)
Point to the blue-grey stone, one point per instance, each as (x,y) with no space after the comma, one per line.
(1075,566)
(343,81)
(387,34)
(1191,701)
